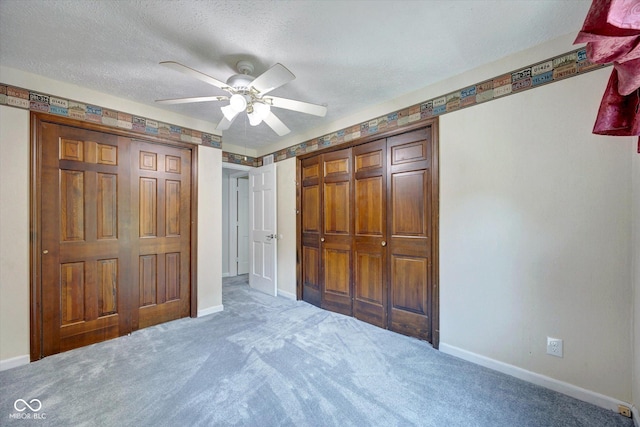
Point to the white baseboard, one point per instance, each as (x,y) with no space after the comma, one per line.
(210,310)
(226,274)
(14,362)
(287,295)
(542,380)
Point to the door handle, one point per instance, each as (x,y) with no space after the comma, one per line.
(322,239)
(45,251)
(383,243)
(272,236)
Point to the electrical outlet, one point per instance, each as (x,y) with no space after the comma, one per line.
(624,410)
(554,346)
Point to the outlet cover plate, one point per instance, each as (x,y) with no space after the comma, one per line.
(554,346)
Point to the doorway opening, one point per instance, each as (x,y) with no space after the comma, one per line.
(235,220)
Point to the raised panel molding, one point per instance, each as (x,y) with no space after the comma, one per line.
(172,276)
(336,220)
(408,277)
(368,276)
(148,161)
(172,164)
(311,171)
(369,193)
(108,287)
(148,267)
(72,293)
(148,207)
(311,261)
(310,202)
(72,205)
(409,204)
(107,209)
(336,270)
(371,160)
(337,166)
(107,154)
(71,150)
(172,208)
(408,153)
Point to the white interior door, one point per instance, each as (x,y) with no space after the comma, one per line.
(262,222)
(242,222)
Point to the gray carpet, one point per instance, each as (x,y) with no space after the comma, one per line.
(269,361)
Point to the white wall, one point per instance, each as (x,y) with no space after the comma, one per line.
(286,194)
(14,237)
(14,216)
(535,231)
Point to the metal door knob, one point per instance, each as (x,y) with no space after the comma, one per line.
(383,243)
(45,252)
(322,239)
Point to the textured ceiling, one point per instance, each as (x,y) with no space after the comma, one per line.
(345,54)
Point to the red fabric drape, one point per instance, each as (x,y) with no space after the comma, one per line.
(612,33)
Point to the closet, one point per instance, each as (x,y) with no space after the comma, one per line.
(368,226)
(113,233)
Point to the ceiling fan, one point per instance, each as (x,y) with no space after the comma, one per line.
(248,93)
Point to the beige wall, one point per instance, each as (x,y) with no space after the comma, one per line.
(14,215)
(636,285)
(14,234)
(286,171)
(535,226)
(209,230)
(535,231)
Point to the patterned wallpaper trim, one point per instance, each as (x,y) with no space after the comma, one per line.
(239,159)
(541,73)
(36,101)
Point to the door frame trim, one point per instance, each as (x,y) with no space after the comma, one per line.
(35,209)
(435,203)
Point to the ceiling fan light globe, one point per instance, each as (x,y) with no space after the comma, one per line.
(229,112)
(254,118)
(261,110)
(237,102)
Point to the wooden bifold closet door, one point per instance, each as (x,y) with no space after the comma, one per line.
(368,219)
(115,236)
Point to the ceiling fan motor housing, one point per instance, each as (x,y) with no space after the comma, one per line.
(240,82)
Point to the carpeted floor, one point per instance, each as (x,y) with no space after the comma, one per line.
(269,361)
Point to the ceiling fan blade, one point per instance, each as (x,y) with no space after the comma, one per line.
(271,79)
(194,73)
(225,123)
(303,107)
(276,124)
(189,100)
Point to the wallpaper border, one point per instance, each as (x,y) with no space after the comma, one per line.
(540,73)
(26,99)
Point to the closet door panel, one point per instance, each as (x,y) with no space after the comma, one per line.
(337,230)
(369,243)
(311,226)
(409,222)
